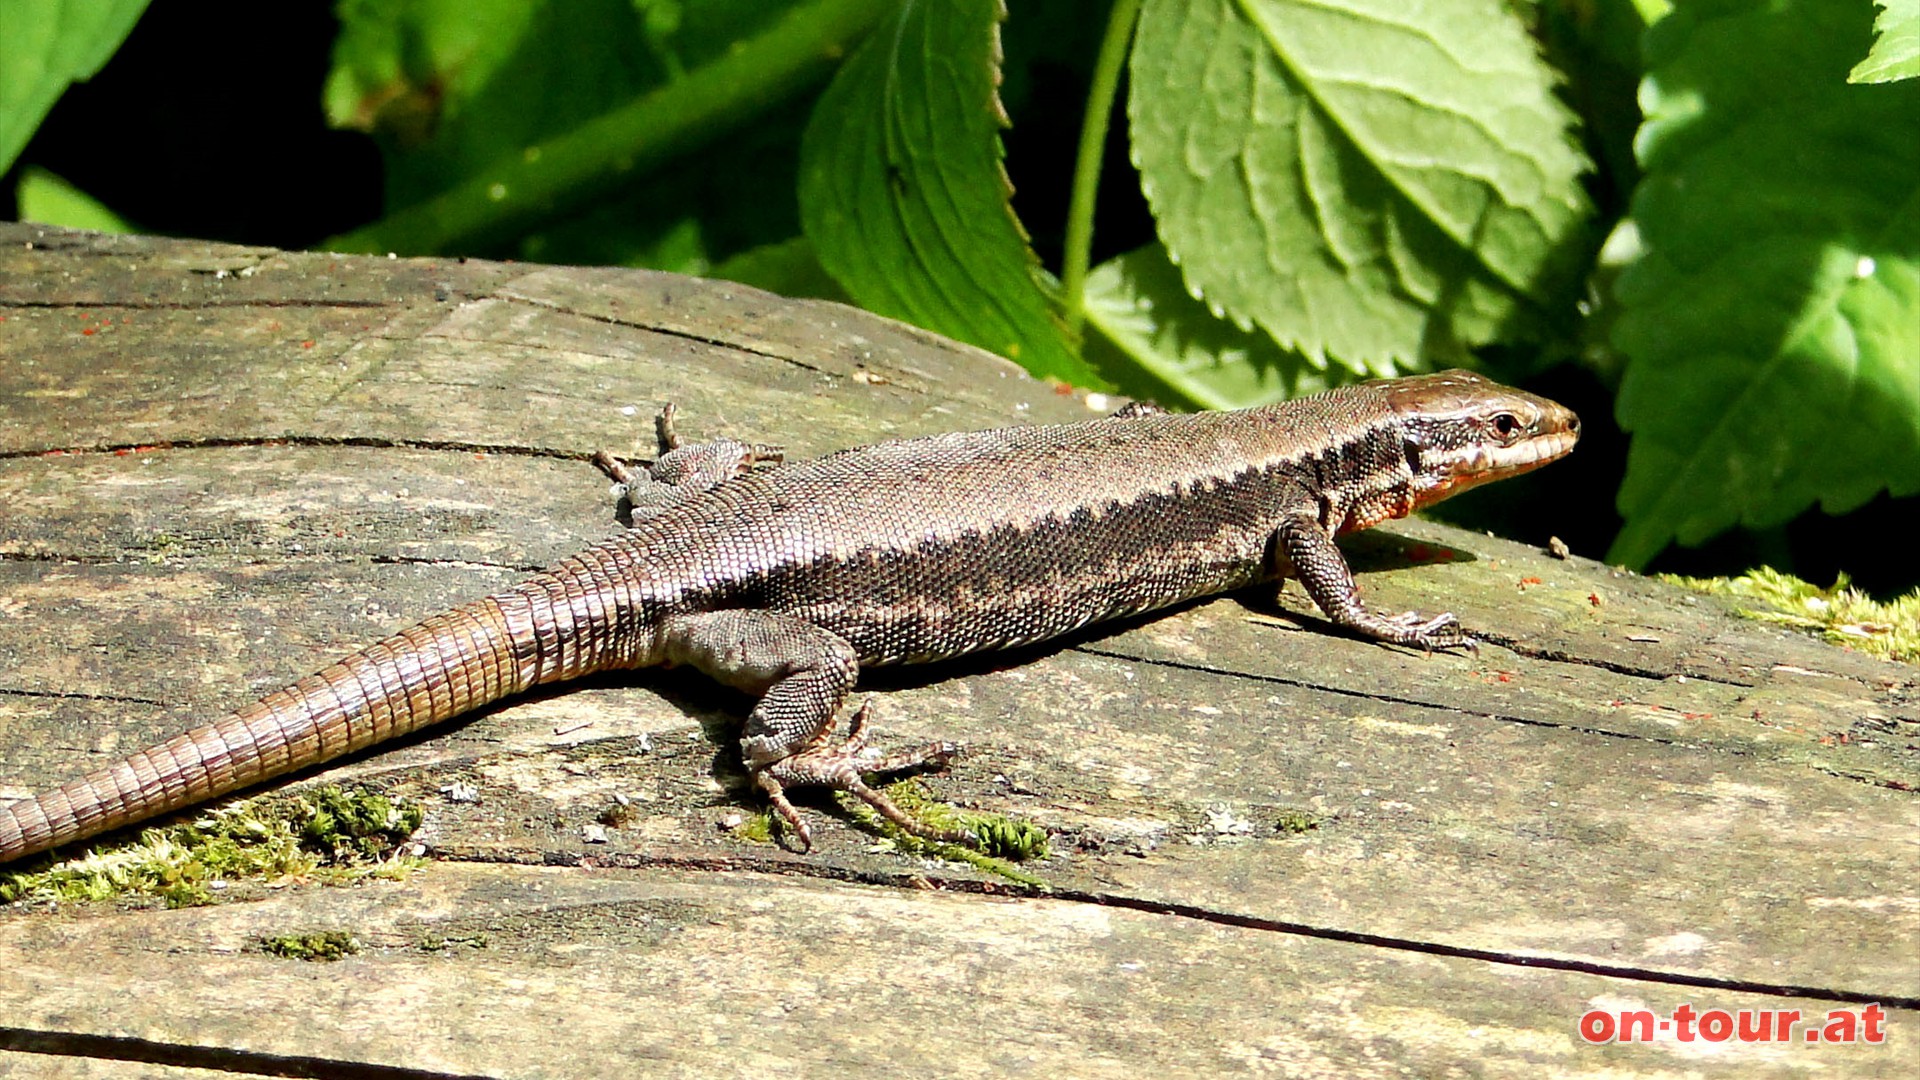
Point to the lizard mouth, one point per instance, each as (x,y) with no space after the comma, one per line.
(1489,463)
(1549,437)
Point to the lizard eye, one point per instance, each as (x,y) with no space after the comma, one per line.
(1506,426)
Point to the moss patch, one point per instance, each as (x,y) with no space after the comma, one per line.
(1003,841)
(1296,822)
(324,947)
(755,828)
(330,835)
(1842,614)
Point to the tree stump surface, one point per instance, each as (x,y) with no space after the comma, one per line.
(223,467)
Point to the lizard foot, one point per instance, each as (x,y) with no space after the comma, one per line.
(1440,633)
(681,471)
(840,768)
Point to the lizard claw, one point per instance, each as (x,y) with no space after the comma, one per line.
(840,768)
(1442,633)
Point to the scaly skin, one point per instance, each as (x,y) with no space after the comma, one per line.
(786,582)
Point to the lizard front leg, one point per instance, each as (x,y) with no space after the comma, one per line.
(802,674)
(1316,560)
(681,471)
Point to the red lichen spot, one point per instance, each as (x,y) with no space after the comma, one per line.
(1529,582)
(90,331)
(307,344)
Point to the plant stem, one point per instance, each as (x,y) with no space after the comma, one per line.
(1086,167)
(570,170)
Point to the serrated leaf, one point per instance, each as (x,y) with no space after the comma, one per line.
(904,198)
(1140,307)
(1772,318)
(1367,180)
(1896,48)
(45,46)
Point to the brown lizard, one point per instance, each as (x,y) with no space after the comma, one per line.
(786,582)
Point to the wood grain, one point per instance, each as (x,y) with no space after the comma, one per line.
(222,467)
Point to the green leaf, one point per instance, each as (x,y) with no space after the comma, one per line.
(1772,317)
(904,197)
(1896,51)
(789,268)
(450,86)
(507,116)
(730,197)
(1367,180)
(50,200)
(46,45)
(1141,308)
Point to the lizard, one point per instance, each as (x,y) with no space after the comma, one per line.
(786,580)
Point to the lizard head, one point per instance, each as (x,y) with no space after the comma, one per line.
(1462,430)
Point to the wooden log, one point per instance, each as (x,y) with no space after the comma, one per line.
(221,467)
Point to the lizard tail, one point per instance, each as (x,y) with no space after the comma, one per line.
(553,626)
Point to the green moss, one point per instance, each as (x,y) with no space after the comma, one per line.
(756,829)
(1295,822)
(619,815)
(434,943)
(325,946)
(1842,614)
(1003,840)
(360,825)
(328,834)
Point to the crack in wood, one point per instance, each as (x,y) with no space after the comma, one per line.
(361,441)
(1394,699)
(75,695)
(1561,656)
(75,1044)
(194,305)
(920,880)
(664,331)
(454,564)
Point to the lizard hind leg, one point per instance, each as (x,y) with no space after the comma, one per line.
(681,471)
(802,674)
